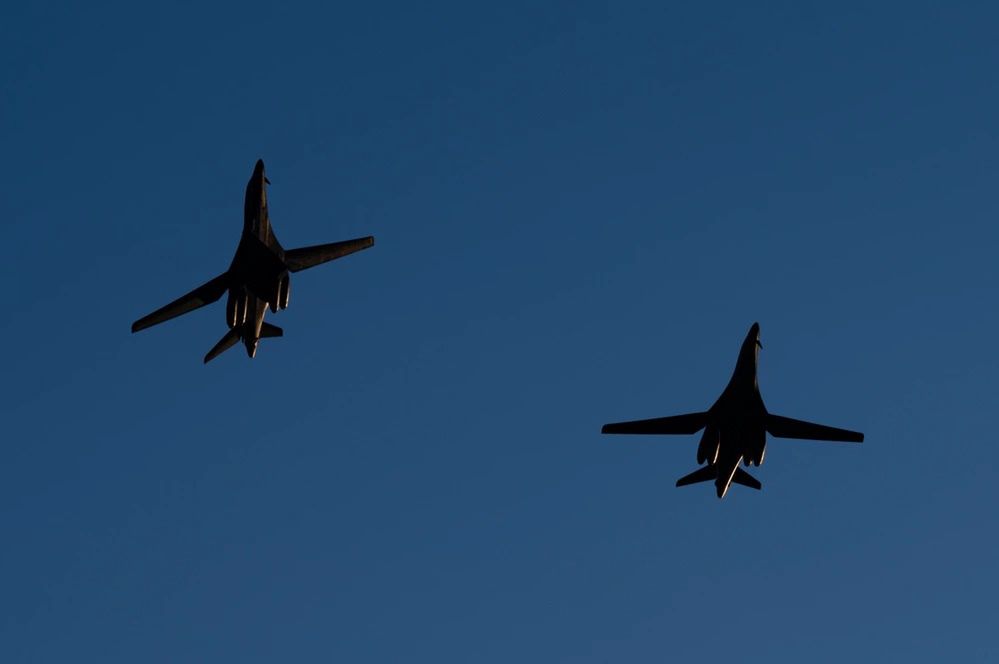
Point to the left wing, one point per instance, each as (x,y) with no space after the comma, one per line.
(199,297)
(677,424)
(305,257)
(785,427)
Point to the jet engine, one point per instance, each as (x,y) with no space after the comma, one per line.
(282,291)
(235,308)
(757,449)
(708,448)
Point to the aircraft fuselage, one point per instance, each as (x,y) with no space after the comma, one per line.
(736,428)
(259,275)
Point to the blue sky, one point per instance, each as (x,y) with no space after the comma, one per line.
(580,208)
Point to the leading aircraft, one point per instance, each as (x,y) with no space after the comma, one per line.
(735,427)
(257,278)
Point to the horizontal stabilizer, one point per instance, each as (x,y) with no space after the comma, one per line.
(305,257)
(704,474)
(745,479)
(268,330)
(785,427)
(199,297)
(677,424)
(224,344)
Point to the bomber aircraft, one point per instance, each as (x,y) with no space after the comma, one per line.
(735,427)
(257,278)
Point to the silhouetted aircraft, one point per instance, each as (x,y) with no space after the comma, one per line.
(735,427)
(257,278)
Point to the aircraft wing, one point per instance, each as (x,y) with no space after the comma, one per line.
(677,424)
(305,257)
(785,427)
(199,297)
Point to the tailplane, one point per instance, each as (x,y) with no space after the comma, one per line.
(268,330)
(745,479)
(703,474)
(224,344)
(709,473)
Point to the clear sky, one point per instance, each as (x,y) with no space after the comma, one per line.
(580,208)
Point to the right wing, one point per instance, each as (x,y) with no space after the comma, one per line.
(305,257)
(678,424)
(785,427)
(199,297)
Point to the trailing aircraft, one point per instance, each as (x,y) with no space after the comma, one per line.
(735,427)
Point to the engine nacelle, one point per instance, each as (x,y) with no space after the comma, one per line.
(230,311)
(707,449)
(757,449)
(235,308)
(279,298)
(284,291)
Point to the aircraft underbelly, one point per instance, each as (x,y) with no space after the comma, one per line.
(258,319)
(258,267)
(742,434)
(256,310)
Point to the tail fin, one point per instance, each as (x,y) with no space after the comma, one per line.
(224,344)
(268,330)
(703,474)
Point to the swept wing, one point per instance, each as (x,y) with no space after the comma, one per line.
(199,297)
(306,257)
(785,427)
(676,424)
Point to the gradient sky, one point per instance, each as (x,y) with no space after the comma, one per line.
(580,208)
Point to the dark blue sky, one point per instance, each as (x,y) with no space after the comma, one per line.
(579,209)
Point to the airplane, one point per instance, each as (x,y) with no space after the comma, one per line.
(735,427)
(257,278)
